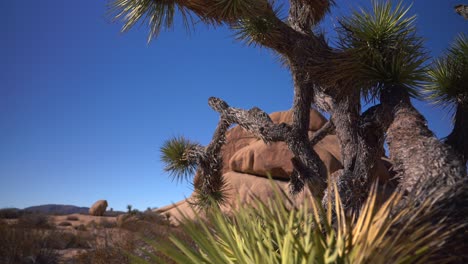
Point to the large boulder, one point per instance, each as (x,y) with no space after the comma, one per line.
(248,161)
(242,189)
(98,208)
(274,159)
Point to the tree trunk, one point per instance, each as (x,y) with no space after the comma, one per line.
(458,139)
(210,184)
(361,140)
(307,163)
(418,156)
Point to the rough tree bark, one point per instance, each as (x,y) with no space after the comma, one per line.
(458,138)
(210,185)
(308,166)
(462,10)
(417,154)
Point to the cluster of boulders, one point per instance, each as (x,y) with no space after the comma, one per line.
(248,162)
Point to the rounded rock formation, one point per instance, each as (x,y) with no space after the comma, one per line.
(98,208)
(248,162)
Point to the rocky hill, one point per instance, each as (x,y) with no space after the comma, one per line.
(57,209)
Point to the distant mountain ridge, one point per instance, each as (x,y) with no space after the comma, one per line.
(57,209)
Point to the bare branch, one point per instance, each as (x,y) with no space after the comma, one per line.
(321,133)
(254,120)
(462,10)
(304,14)
(308,166)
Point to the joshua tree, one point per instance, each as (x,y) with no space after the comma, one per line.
(449,88)
(380,57)
(390,55)
(462,10)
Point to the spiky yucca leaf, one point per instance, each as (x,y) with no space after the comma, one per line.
(449,76)
(384,48)
(158,14)
(273,233)
(255,28)
(212,193)
(232,10)
(174,156)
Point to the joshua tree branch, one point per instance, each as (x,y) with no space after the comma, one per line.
(321,133)
(303,14)
(458,138)
(462,10)
(210,167)
(307,164)
(254,120)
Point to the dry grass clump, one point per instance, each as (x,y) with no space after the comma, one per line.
(64,223)
(34,221)
(80,227)
(106,224)
(108,247)
(72,218)
(149,227)
(103,255)
(24,245)
(10,213)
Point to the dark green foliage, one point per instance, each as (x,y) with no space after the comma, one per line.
(158,14)
(254,29)
(384,48)
(212,196)
(449,75)
(173,155)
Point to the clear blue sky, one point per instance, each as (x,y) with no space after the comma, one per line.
(84,108)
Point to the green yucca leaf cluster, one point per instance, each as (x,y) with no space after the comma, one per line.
(253,29)
(214,196)
(449,75)
(273,233)
(158,14)
(173,155)
(384,48)
(230,10)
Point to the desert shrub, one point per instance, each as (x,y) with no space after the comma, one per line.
(92,224)
(24,245)
(64,223)
(106,224)
(10,213)
(72,218)
(65,240)
(272,233)
(103,255)
(108,247)
(81,227)
(35,220)
(150,225)
(113,213)
(79,240)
